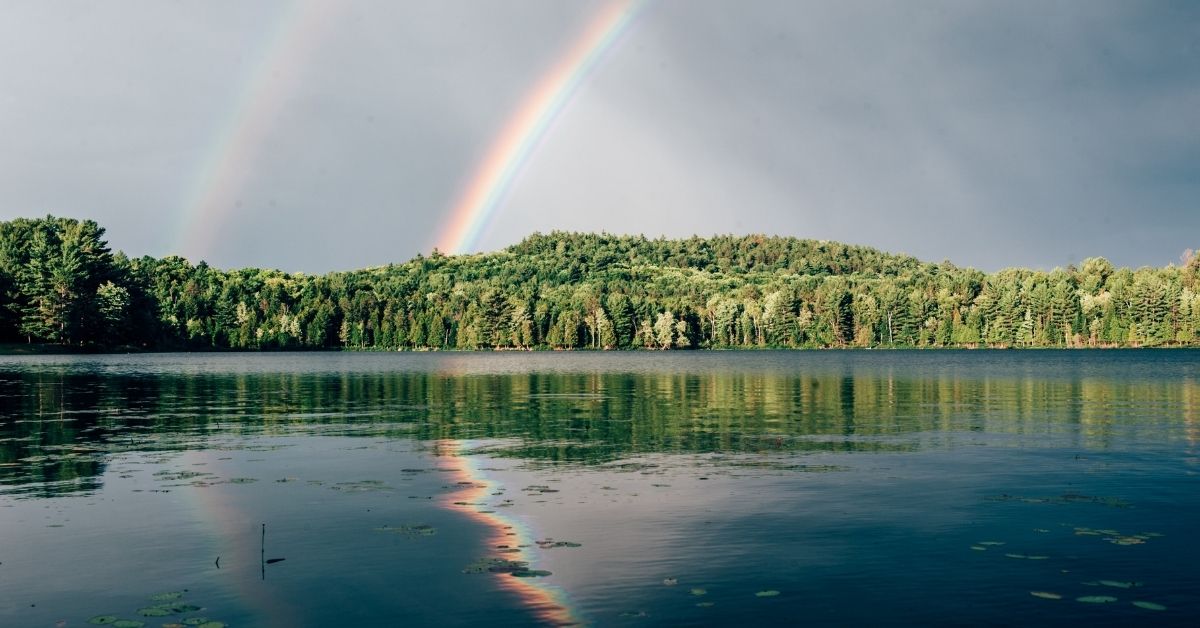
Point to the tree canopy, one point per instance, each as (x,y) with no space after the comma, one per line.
(60,284)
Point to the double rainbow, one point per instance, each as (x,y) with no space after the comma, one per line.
(266,84)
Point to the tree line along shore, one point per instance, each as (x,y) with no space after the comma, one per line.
(62,288)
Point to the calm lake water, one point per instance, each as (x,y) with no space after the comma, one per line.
(682,488)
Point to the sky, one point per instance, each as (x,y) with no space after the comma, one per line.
(314,136)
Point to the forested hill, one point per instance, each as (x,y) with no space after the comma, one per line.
(60,284)
(588,253)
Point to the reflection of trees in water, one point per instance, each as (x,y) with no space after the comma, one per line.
(57,428)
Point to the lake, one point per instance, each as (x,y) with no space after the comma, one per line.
(639,489)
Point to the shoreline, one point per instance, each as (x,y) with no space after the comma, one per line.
(35,349)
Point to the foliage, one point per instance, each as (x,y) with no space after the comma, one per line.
(60,284)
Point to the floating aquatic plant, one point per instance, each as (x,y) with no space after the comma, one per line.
(1066,498)
(1150,606)
(102,619)
(1117,538)
(670,582)
(1120,584)
(361,486)
(167,608)
(1096,599)
(551,543)
(170,476)
(1046,595)
(419,529)
(697,591)
(496,565)
(767,593)
(530,573)
(127,623)
(170,595)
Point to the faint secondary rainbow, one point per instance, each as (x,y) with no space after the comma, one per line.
(235,541)
(520,136)
(232,155)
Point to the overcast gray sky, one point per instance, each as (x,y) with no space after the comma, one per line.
(328,136)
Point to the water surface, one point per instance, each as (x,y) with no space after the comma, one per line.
(680,488)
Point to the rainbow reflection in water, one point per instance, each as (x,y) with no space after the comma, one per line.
(547,602)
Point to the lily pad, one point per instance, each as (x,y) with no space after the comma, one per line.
(212,624)
(1045,595)
(767,593)
(127,623)
(699,591)
(1150,606)
(496,565)
(1096,599)
(195,621)
(167,608)
(102,619)
(170,595)
(979,548)
(704,604)
(530,573)
(360,486)
(551,544)
(670,582)
(1119,584)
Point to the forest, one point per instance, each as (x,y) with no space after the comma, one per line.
(60,284)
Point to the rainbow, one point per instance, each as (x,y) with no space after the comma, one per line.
(547,602)
(230,159)
(512,148)
(226,525)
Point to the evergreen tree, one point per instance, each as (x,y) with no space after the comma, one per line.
(60,284)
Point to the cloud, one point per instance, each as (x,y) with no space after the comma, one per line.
(989,134)
(992,134)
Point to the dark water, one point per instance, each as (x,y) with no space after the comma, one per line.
(766,488)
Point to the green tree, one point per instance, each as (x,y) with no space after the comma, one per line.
(664,330)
